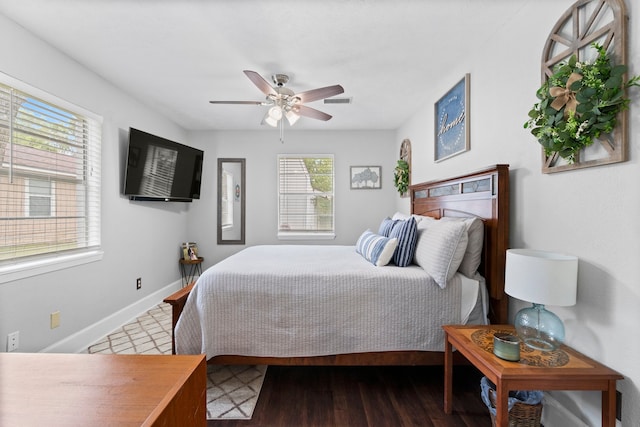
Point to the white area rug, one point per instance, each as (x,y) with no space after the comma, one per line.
(232,391)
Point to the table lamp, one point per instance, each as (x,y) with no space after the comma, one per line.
(541,278)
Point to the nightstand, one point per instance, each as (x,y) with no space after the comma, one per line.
(562,369)
(189,269)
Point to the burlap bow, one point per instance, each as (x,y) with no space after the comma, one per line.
(564,96)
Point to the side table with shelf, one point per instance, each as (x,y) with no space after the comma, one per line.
(189,269)
(562,369)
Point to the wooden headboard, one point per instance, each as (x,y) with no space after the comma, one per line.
(483,194)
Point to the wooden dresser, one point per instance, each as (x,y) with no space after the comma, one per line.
(98,390)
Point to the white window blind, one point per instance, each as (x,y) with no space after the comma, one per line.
(49,176)
(305,196)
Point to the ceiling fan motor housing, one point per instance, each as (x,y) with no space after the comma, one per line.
(280,79)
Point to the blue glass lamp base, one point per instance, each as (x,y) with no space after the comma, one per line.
(539,328)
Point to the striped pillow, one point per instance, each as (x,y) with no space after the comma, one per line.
(376,249)
(386,226)
(407,234)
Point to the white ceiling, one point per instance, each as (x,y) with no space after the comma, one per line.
(176,55)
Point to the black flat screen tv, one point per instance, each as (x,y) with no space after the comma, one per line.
(158,169)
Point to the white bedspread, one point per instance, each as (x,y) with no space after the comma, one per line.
(294,300)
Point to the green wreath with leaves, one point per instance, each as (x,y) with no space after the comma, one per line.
(578,103)
(401,176)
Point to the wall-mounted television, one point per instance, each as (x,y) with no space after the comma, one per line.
(158,169)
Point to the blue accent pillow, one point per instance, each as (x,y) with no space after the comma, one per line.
(376,249)
(407,234)
(386,226)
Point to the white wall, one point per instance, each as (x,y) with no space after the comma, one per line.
(591,213)
(355,210)
(138,239)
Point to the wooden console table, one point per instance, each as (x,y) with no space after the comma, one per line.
(41,389)
(562,369)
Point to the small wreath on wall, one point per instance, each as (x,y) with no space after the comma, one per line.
(578,103)
(402,171)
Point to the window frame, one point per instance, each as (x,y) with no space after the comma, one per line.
(312,234)
(13,269)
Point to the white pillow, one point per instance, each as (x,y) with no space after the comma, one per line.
(473,253)
(425,221)
(440,249)
(376,249)
(400,216)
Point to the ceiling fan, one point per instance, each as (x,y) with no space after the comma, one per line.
(284,102)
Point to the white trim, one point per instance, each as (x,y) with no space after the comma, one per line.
(81,340)
(289,235)
(25,269)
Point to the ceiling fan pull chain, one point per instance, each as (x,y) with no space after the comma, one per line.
(281,123)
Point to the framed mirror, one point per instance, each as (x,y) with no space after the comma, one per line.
(231,201)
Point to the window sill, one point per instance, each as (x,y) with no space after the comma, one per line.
(306,236)
(23,270)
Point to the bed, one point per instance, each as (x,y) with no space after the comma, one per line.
(254,309)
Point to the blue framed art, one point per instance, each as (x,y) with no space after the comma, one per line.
(452,121)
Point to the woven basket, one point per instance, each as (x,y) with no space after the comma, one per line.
(521,415)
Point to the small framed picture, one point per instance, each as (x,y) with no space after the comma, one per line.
(366,177)
(452,121)
(189,251)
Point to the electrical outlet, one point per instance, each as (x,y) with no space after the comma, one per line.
(139,283)
(13,340)
(55,319)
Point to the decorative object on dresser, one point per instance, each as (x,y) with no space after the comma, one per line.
(541,278)
(452,121)
(366,177)
(596,132)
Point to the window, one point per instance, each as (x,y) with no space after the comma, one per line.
(49,178)
(38,197)
(305,198)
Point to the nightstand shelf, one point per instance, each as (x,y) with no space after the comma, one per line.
(562,369)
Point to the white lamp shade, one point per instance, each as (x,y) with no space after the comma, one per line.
(275,112)
(270,120)
(541,277)
(292,117)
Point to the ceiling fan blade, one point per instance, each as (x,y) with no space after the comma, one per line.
(237,102)
(303,110)
(321,93)
(260,82)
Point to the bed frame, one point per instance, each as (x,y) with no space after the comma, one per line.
(483,194)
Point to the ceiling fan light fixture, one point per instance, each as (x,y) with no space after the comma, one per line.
(269,120)
(275,113)
(292,117)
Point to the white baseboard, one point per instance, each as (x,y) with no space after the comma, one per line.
(81,340)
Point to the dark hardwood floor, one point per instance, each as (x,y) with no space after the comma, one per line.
(366,396)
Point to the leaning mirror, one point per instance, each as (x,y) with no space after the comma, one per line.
(231,201)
